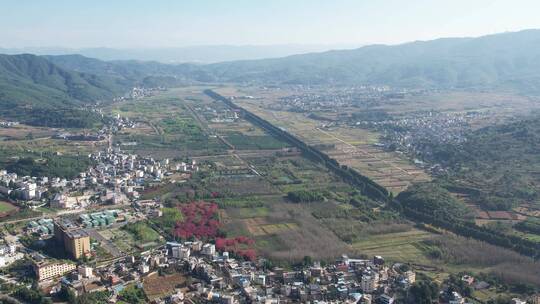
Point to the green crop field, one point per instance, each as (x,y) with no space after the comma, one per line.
(400,246)
(6,207)
(142,232)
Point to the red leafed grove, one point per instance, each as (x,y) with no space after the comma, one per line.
(239,245)
(199,221)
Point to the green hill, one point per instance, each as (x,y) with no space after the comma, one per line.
(133,72)
(508,61)
(31,86)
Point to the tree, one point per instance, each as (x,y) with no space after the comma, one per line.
(423,292)
(307,260)
(67,295)
(133,295)
(32,296)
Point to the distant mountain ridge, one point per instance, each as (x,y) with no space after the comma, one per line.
(508,60)
(136,73)
(202,54)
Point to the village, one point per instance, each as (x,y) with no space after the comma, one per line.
(104,233)
(107,195)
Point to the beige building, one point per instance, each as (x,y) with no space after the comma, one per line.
(76,241)
(410,276)
(369,283)
(49,270)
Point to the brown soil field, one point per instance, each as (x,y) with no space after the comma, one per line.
(156,286)
(22,131)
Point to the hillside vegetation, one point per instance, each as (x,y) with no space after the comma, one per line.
(497,166)
(132,72)
(505,61)
(508,61)
(38,92)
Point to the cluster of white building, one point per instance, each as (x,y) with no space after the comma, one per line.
(116,178)
(9,254)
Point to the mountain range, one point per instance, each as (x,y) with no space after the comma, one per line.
(203,54)
(501,61)
(507,61)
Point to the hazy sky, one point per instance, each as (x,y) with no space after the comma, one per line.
(161,23)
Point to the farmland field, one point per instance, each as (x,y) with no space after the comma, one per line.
(250,212)
(166,126)
(6,207)
(284,231)
(353,147)
(401,246)
(183,121)
(23,132)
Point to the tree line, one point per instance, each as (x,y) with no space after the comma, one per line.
(430,204)
(367,186)
(447,217)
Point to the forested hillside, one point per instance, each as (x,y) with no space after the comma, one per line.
(134,72)
(31,86)
(497,166)
(508,61)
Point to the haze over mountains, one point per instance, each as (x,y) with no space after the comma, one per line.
(505,61)
(508,61)
(190,54)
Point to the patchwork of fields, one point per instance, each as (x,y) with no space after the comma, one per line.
(353,147)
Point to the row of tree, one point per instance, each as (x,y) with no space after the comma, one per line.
(530,225)
(421,207)
(443,214)
(305,196)
(367,186)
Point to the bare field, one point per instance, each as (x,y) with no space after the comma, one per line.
(260,226)
(54,145)
(156,286)
(285,231)
(23,131)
